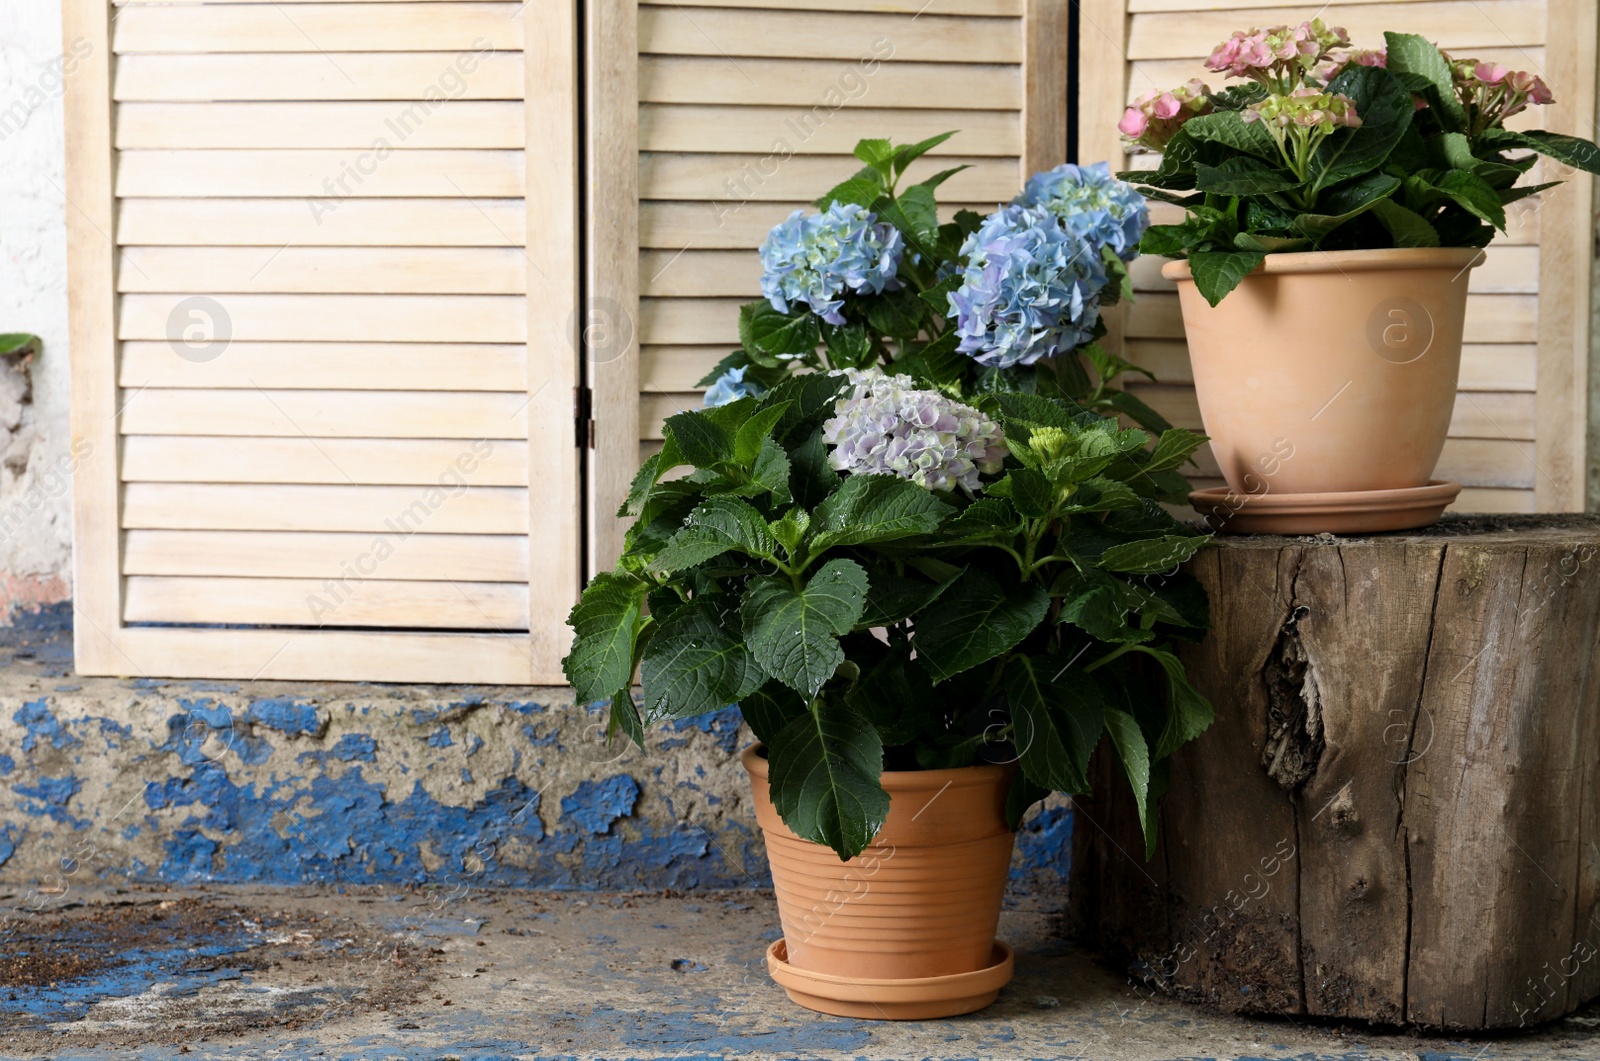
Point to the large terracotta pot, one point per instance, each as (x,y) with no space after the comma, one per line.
(1330,371)
(906,929)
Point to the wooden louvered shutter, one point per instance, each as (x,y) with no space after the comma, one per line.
(374,204)
(730,114)
(1517,442)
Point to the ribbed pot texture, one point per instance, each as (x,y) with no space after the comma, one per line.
(922,901)
(1330,371)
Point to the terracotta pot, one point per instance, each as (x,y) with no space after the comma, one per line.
(921,903)
(1330,371)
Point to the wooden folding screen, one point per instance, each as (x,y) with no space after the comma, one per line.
(1517,442)
(324,265)
(711,121)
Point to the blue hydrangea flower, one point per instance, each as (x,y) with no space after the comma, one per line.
(1031,289)
(1092,204)
(730,387)
(815,259)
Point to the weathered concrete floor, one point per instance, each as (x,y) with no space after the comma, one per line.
(373,973)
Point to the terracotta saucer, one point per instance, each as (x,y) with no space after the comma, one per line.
(1352,512)
(925,999)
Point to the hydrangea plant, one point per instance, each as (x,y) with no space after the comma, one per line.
(974,304)
(884,577)
(1330,147)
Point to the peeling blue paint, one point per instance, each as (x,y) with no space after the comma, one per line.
(52,794)
(41,724)
(7,764)
(1044,846)
(286,714)
(723,724)
(353,747)
(440,738)
(596,805)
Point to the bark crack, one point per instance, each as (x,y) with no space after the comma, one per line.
(1295,741)
(1402,769)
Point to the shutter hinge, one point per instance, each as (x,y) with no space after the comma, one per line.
(583,417)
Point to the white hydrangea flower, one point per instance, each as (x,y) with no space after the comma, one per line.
(885,426)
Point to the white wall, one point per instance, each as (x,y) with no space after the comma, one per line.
(35,495)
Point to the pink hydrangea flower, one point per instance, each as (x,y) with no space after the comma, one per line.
(1338,58)
(1150,123)
(1491,92)
(1278,57)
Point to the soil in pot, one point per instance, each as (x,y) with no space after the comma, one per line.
(921,904)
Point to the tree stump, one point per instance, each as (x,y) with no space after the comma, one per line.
(1396,815)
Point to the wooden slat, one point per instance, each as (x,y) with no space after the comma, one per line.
(331,366)
(330,175)
(1452,24)
(681,30)
(554,500)
(399,125)
(814,82)
(352,76)
(696,274)
(754,130)
(319,223)
(1333,10)
(326,270)
(689,320)
(307,602)
(325,414)
(358,461)
(898,7)
(265,554)
(419,27)
(331,655)
(677,368)
(1488,500)
(1492,462)
(339,318)
(1484,366)
(734,179)
(1044,108)
(1569,444)
(655,408)
(610,334)
(258,507)
(733,226)
(91,321)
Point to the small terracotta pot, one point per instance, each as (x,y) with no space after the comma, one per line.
(1330,371)
(921,903)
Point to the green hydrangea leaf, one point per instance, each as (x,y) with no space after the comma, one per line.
(1153,555)
(1218,272)
(1424,70)
(713,528)
(1134,755)
(974,621)
(606,620)
(794,633)
(823,773)
(875,508)
(1408,228)
(1058,715)
(692,666)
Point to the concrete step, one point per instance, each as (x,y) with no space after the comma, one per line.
(146,779)
(380,973)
